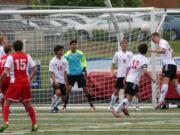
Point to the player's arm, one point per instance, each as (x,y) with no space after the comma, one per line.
(33,73)
(4,74)
(148,74)
(84,63)
(127,72)
(114,63)
(159,50)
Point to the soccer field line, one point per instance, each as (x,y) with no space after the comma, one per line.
(102,118)
(22,132)
(94,113)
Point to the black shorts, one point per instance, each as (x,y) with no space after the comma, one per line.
(80,79)
(169,71)
(61,87)
(131,88)
(120,83)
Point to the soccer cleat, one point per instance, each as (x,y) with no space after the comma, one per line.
(93,109)
(115,113)
(110,108)
(137,108)
(159,105)
(56,109)
(63,109)
(34,128)
(3,127)
(125,111)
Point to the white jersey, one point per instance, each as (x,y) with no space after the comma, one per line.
(58,67)
(2,51)
(137,64)
(167,57)
(121,59)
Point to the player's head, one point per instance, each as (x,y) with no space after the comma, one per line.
(7,49)
(18,45)
(59,50)
(124,45)
(143,48)
(155,37)
(3,40)
(73,45)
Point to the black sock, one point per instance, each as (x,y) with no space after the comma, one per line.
(66,101)
(89,98)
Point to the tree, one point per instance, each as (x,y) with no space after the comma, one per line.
(93,3)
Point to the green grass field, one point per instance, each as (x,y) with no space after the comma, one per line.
(83,122)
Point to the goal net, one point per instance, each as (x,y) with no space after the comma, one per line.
(42,30)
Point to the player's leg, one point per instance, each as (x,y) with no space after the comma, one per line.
(136,102)
(56,99)
(131,90)
(28,106)
(114,97)
(5,112)
(81,81)
(25,95)
(176,85)
(163,92)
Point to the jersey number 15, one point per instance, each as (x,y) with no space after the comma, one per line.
(20,64)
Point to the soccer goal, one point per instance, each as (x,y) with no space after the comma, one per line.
(98,32)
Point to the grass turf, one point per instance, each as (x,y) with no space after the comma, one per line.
(83,122)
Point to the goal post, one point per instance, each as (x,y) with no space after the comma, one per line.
(42,30)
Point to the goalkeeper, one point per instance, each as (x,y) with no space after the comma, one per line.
(76,72)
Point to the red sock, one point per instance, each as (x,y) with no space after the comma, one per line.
(32,115)
(6,113)
(2,102)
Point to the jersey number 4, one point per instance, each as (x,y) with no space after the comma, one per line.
(20,64)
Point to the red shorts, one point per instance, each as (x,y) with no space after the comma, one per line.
(18,91)
(4,86)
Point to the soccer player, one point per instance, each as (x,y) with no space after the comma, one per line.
(3,43)
(18,64)
(58,77)
(77,72)
(6,81)
(137,66)
(169,66)
(120,60)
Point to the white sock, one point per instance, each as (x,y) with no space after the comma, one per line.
(1,96)
(58,102)
(53,101)
(124,103)
(135,101)
(113,100)
(121,95)
(163,93)
(178,89)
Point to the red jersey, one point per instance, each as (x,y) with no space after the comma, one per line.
(19,63)
(2,62)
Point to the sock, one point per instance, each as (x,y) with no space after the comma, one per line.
(32,115)
(124,103)
(121,95)
(1,96)
(89,98)
(53,101)
(2,103)
(66,101)
(163,93)
(6,113)
(135,101)
(58,102)
(178,89)
(113,100)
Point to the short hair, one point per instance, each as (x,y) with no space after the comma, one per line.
(124,41)
(1,37)
(143,48)
(155,34)
(18,45)
(73,41)
(57,48)
(7,49)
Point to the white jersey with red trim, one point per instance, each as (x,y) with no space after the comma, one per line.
(167,57)
(137,64)
(121,59)
(58,67)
